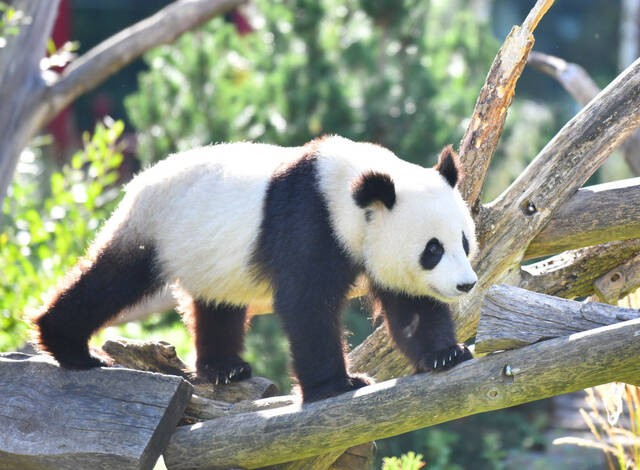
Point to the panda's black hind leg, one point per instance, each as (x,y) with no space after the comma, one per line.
(218,332)
(95,291)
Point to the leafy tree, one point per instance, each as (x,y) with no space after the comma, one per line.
(49,222)
(403,74)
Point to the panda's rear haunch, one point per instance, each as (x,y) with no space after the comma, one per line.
(237,224)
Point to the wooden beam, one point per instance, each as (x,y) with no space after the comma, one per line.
(102,418)
(593,215)
(573,273)
(396,406)
(514,317)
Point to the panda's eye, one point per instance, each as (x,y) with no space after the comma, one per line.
(432,254)
(465,244)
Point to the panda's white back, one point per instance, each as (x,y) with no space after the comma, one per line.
(202,210)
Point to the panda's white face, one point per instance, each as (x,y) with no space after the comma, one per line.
(423,243)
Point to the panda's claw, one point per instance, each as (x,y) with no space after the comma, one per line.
(223,371)
(444,359)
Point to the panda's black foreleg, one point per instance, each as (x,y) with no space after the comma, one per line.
(218,332)
(422,328)
(95,291)
(311,319)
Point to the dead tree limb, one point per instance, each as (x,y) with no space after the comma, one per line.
(579,84)
(593,215)
(573,273)
(598,356)
(514,317)
(481,137)
(31,99)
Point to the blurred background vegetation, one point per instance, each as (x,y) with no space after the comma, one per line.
(405,74)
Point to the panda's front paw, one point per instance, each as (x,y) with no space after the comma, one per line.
(444,359)
(222,371)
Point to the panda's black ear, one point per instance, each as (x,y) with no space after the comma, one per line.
(449,166)
(373,186)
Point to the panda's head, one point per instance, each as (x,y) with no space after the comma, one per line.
(419,234)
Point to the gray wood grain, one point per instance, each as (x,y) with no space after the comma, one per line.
(513,317)
(106,418)
(389,408)
(593,215)
(573,273)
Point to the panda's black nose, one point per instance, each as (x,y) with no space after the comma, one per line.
(465,287)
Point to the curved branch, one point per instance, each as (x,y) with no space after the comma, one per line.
(481,137)
(111,55)
(400,405)
(581,86)
(593,215)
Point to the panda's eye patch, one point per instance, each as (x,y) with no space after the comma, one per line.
(432,254)
(465,244)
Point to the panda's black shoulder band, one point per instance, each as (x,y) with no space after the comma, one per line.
(373,186)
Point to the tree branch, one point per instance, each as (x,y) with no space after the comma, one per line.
(598,356)
(93,67)
(573,273)
(514,317)
(481,137)
(577,82)
(593,215)
(21,87)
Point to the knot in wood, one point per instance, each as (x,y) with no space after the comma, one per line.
(492,393)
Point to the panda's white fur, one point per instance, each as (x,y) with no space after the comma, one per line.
(202,209)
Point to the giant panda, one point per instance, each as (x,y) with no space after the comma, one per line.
(231,225)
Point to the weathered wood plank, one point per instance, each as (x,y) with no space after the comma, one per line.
(573,273)
(513,317)
(53,418)
(389,408)
(593,215)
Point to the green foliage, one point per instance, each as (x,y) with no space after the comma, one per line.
(10,22)
(403,74)
(408,461)
(48,223)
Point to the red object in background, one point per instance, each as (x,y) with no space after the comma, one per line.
(242,25)
(61,127)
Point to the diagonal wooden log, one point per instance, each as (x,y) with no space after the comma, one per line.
(396,406)
(105,418)
(487,121)
(593,215)
(514,317)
